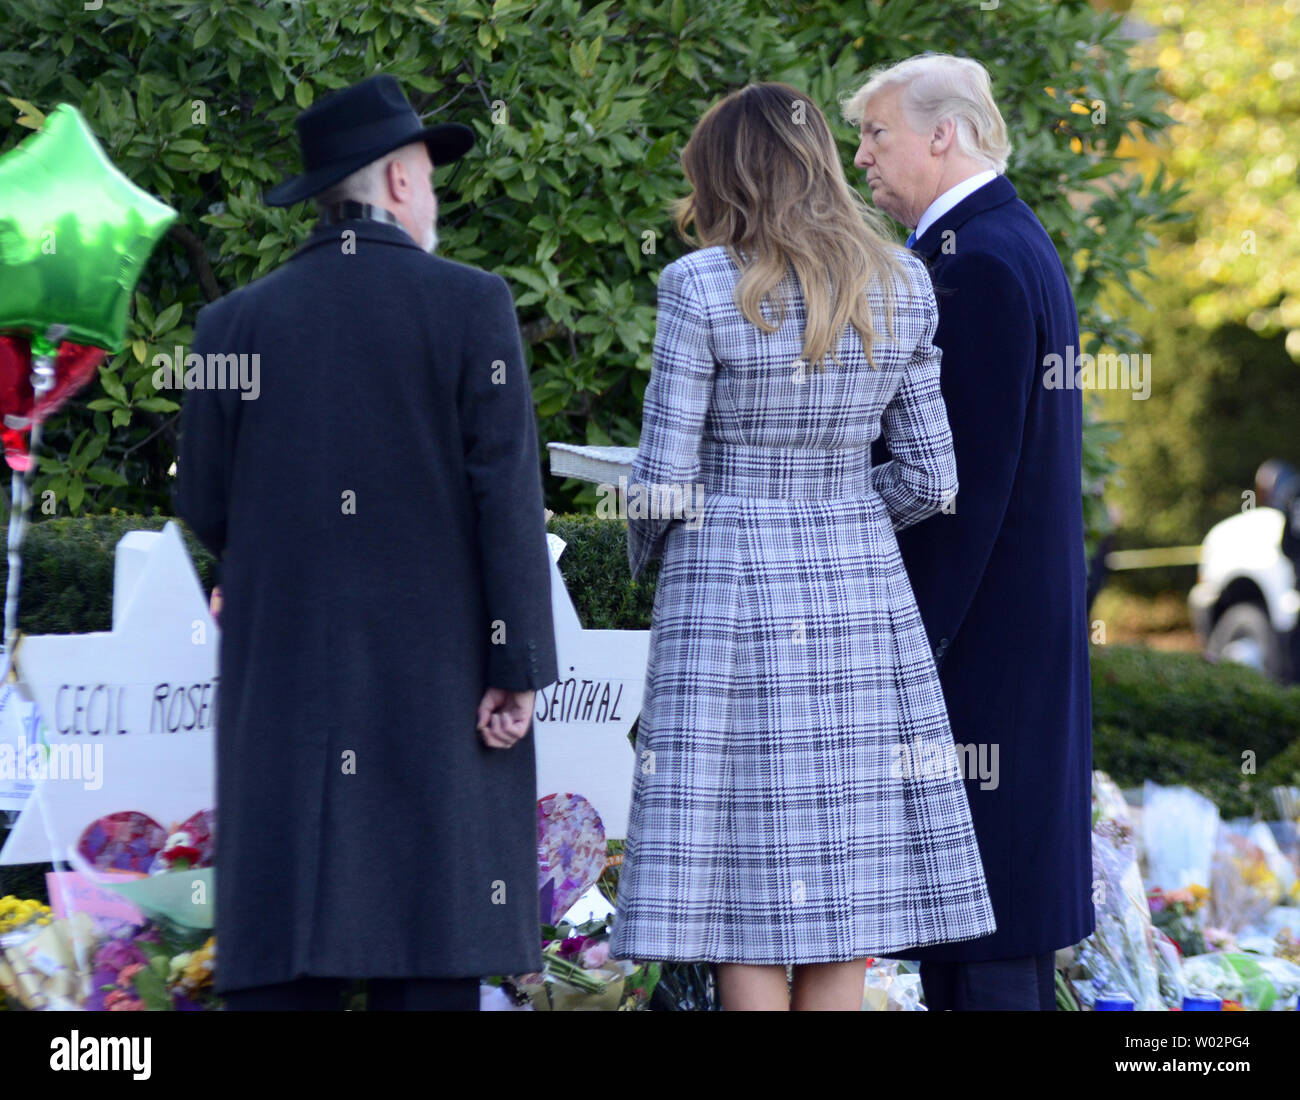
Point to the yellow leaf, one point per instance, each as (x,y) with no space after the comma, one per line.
(139,347)
(30,116)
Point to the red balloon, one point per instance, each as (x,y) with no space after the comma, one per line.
(74,367)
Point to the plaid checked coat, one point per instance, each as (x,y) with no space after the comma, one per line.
(795,797)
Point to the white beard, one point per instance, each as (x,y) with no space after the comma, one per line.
(431,239)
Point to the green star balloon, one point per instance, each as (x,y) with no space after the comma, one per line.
(75,234)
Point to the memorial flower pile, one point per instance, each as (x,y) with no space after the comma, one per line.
(1216,914)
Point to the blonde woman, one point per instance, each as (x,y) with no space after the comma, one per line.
(796,800)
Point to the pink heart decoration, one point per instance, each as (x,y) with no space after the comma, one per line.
(570,849)
(124,841)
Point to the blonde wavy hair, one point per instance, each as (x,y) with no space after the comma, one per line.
(768,184)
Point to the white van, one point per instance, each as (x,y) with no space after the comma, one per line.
(1245,604)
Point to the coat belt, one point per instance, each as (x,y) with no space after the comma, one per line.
(733,469)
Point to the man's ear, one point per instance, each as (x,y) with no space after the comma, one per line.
(942,138)
(397,182)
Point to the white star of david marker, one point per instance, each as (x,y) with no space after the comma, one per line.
(581,721)
(154,673)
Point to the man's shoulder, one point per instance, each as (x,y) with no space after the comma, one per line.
(1010,231)
(446,274)
(1000,246)
(458,273)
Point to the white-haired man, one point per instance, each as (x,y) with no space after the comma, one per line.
(1000,578)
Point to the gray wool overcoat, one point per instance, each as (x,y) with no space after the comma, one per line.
(377,513)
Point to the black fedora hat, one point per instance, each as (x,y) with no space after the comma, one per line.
(354,126)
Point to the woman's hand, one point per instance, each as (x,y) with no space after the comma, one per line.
(214,605)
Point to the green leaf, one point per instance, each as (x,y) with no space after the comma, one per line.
(302,93)
(112,384)
(167,319)
(677,20)
(144,310)
(207,30)
(261,18)
(157,404)
(151,986)
(105,475)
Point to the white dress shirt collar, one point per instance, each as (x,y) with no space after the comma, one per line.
(951,198)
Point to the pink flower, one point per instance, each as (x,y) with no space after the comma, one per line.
(118,953)
(596,956)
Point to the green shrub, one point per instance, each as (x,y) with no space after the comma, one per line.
(594,567)
(1222,707)
(1282,771)
(1176,718)
(67,578)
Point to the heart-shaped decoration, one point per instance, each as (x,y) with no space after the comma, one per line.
(124,841)
(570,850)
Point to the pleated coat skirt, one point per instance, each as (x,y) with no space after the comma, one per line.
(796,796)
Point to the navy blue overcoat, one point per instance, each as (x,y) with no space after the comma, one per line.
(1000,580)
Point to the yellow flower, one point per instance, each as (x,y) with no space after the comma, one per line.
(17,912)
(197,970)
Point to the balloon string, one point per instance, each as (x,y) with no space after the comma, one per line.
(46,349)
(17,531)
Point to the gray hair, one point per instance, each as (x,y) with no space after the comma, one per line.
(937,87)
(365,184)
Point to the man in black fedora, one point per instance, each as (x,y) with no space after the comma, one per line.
(376,511)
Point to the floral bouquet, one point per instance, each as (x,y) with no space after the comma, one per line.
(1121,954)
(153,967)
(1244,883)
(578,975)
(24,923)
(1127,952)
(1180,915)
(41,958)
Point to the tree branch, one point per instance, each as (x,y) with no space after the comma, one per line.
(541,330)
(185,237)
